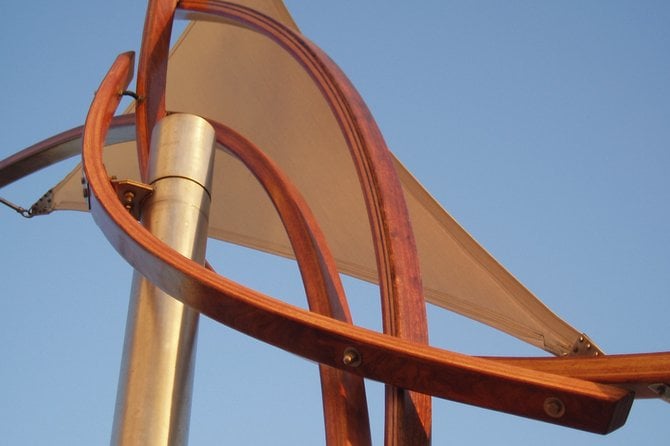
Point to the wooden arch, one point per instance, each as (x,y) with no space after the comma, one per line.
(594,394)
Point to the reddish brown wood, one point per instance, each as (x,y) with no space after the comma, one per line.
(152,74)
(395,361)
(52,150)
(152,77)
(344,401)
(408,415)
(634,372)
(500,384)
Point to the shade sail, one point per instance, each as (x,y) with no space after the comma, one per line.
(245,80)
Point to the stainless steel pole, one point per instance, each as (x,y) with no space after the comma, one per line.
(156,379)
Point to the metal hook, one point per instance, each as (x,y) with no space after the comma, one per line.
(26,213)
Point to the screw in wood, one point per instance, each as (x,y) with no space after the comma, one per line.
(351,357)
(554,407)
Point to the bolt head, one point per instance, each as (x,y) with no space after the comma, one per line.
(554,407)
(351,357)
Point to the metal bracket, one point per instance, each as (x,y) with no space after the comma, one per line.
(584,346)
(44,205)
(662,390)
(132,194)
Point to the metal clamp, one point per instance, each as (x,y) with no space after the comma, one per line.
(44,205)
(23,211)
(584,346)
(662,390)
(132,194)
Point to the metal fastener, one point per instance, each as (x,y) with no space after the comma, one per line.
(554,407)
(128,198)
(351,357)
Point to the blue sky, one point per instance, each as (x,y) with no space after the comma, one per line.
(542,127)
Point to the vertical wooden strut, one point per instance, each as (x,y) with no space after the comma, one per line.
(345,409)
(344,401)
(408,414)
(152,74)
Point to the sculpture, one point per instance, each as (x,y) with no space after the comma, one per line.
(359,344)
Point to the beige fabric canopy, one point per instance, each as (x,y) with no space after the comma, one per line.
(248,82)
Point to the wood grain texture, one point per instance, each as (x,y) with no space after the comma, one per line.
(152,79)
(400,358)
(152,74)
(635,372)
(472,380)
(389,359)
(51,151)
(344,402)
(630,371)
(408,414)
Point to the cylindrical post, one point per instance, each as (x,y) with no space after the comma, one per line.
(155,383)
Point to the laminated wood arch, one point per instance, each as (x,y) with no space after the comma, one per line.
(408,414)
(398,362)
(593,395)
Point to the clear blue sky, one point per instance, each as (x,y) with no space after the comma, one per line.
(542,127)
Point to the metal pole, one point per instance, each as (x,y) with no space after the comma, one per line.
(154,394)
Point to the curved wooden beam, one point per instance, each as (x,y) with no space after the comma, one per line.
(152,74)
(58,148)
(345,406)
(152,77)
(344,402)
(634,372)
(404,364)
(408,414)
(584,405)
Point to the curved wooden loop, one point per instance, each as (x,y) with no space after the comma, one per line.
(634,372)
(344,402)
(408,414)
(382,357)
(489,383)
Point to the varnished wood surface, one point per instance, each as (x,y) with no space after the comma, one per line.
(57,148)
(408,414)
(515,385)
(346,419)
(631,371)
(344,402)
(152,74)
(389,359)
(635,372)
